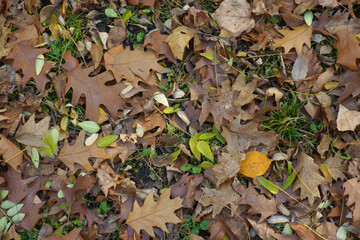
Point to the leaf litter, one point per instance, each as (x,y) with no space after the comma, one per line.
(179,120)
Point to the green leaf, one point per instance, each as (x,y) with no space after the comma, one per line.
(230,63)
(207,136)
(268,185)
(206,164)
(14,210)
(111,13)
(204,225)
(47,151)
(205,150)
(48,184)
(126,16)
(140,36)
(55,135)
(39,63)
(175,155)
(193,146)
(170,110)
(48,140)
(3,194)
(61,194)
(35,158)
(289,181)
(7,204)
(18,217)
(186,167)
(342,232)
(3,222)
(89,126)
(7,227)
(208,56)
(308,17)
(196,169)
(287,230)
(106,141)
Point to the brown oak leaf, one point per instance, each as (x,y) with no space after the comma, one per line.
(352,188)
(258,202)
(25,55)
(348,49)
(350,80)
(10,153)
(156,41)
(308,179)
(295,38)
(80,154)
(124,63)
(220,198)
(32,133)
(154,214)
(94,88)
(336,167)
(31,211)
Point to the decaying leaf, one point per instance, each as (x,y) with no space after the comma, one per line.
(154,214)
(31,133)
(10,153)
(79,153)
(234,17)
(309,178)
(295,38)
(352,188)
(347,120)
(179,39)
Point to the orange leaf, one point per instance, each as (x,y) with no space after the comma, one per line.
(255,164)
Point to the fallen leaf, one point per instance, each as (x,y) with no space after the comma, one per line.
(31,210)
(255,164)
(347,120)
(94,88)
(31,133)
(352,188)
(80,154)
(5,31)
(24,56)
(336,167)
(96,54)
(124,63)
(220,198)
(234,16)
(258,202)
(241,137)
(348,49)
(227,167)
(156,41)
(10,153)
(107,178)
(295,38)
(304,232)
(308,179)
(179,39)
(300,68)
(154,214)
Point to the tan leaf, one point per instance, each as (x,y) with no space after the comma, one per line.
(227,167)
(336,167)
(220,198)
(308,179)
(347,120)
(31,133)
(96,54)
(5,31)
(234,16)
(348,49)
(154,214)
(80,154)
(258,202)
(124,63)
(10,153)
(352,188)
(107,178)
(179,39)
(295,38)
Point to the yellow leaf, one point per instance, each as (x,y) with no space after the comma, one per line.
(326,172)
(255,164)
(205,150)
(295,38)
(179,39)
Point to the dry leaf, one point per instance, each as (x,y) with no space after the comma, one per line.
(10,153)
(347,120)
(179,39)
(156,41)
(310,178)
(31,133)
(336,167)
(80,154)
(154,214)
(220,198)
(234,16)
(295,39)
(348,49)
(255,164)
(352,188)
(96,54)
